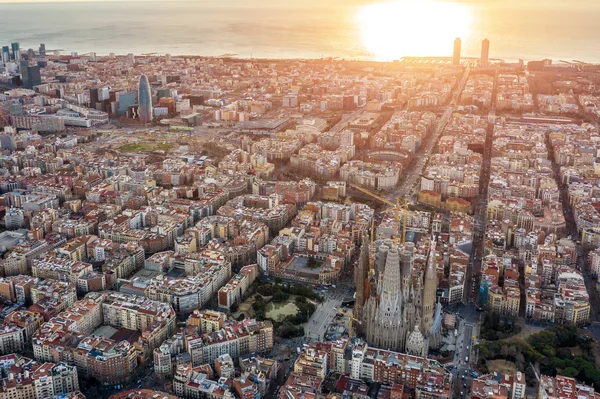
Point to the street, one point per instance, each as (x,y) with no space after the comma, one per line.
(413,173)
(472,280)
(343,123)
(317,325)
(314,329)
(468,329)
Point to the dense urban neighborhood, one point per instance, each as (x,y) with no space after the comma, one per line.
(200,227)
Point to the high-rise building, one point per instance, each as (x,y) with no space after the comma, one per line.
(35,76)
(30,54)
(42,50)
(126,100)
(104,93)
(24,69)
(93,97)
(348,103)
(144,100)
(16,52)
(30,74)
(456,55)
(485,52)
(5,54)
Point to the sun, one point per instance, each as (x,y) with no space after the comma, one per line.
(394,29)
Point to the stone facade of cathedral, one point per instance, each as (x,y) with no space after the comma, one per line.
(398,308)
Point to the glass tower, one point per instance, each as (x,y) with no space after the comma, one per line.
(485,52)
(457,48)
(16,54)
(144,100)
(5,54)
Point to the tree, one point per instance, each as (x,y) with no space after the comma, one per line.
(289,330)
(544,342)
(564,353)
(300,299)
(259,314)
(495,327)
(266,290)
(259,304)
(280,296)
(520,361)
(566,335)
(570,372)
(557,363)
(313,263)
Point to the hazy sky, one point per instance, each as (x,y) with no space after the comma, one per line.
(569,5)
(280,2)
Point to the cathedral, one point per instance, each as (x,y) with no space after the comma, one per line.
(396,307)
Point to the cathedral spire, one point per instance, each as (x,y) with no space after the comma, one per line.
(389,318)
(429,290)
(391,274)
(390,304)
(361,276)
(406,267)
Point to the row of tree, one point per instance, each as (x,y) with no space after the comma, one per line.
(278,291)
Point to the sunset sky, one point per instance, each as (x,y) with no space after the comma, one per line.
(278,2)
(529,29)
(291,4)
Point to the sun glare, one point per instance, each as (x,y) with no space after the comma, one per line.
(394,29)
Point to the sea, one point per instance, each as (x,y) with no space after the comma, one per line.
(527,29)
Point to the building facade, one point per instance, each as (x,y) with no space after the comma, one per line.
(144,100)
(399,308)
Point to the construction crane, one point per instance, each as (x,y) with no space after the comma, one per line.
(372,230)
(401,203)
(539,380)
(350,323)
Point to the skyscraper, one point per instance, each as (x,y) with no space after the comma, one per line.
(42,50)
(126,100)
(30,74)
(144,100)
(485,52)
(16,52)
(5,54)
(93,97)
(35,76)
(456,55)
(24,69)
